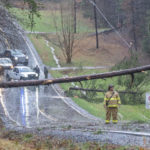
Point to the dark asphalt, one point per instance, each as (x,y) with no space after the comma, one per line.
(40,106)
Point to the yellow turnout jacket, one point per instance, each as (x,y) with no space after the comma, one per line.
(114,101)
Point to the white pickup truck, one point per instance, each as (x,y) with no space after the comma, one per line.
(21,73)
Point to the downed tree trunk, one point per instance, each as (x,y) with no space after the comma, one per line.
(103,91)
(74,79)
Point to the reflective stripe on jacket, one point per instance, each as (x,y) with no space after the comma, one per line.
(114,101)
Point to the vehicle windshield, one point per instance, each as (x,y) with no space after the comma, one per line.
(16,52)
(5,61)
(25,69)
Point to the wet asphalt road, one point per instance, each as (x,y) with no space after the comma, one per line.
(46,111)
(39,106)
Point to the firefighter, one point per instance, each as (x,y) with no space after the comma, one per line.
(111,103)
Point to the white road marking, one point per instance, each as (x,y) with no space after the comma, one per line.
(5,109)
(37,103)
(64,100)
(26,107)
(30,49)
(39,110)
(47,116)
(22,102)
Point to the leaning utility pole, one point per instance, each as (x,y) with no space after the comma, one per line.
(95,18)
(131,72)
(75,16)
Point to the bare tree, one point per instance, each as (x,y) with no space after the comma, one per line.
(65,30)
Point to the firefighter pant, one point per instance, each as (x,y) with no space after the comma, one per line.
(111,111)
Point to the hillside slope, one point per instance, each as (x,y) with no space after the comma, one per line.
(9,34)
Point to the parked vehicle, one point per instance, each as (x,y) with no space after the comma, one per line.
(16,56)
(21,73)
(6,63)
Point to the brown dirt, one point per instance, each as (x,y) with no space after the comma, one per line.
(111,51)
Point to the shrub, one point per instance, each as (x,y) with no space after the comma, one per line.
(137,85)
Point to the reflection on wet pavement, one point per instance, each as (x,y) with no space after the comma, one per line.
(37,106)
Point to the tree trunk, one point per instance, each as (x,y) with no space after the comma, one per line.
(68,60)
(74,79)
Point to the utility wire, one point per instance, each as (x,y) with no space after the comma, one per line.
(102,14)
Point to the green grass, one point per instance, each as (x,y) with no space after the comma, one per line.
(127,112)
(43,50)
(45,23)
(93,108)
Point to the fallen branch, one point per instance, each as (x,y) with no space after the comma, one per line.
(74,79)
(103,91)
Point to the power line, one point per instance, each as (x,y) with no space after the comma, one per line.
(102,14)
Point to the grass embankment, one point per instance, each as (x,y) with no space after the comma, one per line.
(126,112)
(43,50)
(45,23)
(47,57)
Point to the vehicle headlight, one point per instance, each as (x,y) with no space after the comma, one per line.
(16,58)
(25,75)
(36,75)
(27,57)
